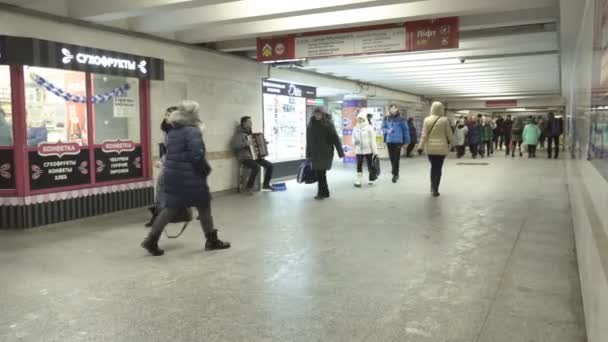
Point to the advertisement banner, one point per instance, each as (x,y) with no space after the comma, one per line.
(117,160)
(7,170)
(501,103)
(350,110)
(58,165)
(76,113)
(435,34)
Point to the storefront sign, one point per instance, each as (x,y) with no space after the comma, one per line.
(59,149)
(117,160)
(289,89)
(58,166)
(501,103)
(7,170)
(411,36)
(315,102)
(43,53)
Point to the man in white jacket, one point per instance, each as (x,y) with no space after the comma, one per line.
(366,148)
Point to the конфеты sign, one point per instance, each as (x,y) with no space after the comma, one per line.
(58,165)
(44,53)
(117,160)
(411,36)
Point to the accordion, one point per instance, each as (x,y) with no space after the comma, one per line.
(258,146)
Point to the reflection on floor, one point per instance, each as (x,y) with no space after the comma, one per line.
(491,260)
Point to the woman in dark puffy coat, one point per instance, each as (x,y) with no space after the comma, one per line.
(321,139)
(185,178)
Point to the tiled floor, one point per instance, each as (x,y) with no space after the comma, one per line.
(491,260)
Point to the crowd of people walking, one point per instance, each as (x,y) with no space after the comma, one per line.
(516,135)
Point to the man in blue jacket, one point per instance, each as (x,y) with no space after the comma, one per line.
(396,134)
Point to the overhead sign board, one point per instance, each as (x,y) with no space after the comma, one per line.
(289,89)
(501,103)
(411,36)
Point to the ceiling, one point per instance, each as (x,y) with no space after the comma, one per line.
(507,48)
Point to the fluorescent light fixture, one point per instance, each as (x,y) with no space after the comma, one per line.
(517,110)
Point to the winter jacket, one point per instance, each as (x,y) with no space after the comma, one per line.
(460,135)
(436,134)
(364,138)
(487,133)
(531,134)
(240,144)
(6,133)
(507,126)
(321,139)
(518,129)
(553,127)
(396,130)
(413,133)
(500,126)
(474,134)
(186,169)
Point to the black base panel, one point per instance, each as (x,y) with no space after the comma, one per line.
(35,215)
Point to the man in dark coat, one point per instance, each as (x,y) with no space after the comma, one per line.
(321,139)
(553,130)
(185,178)
(413,138)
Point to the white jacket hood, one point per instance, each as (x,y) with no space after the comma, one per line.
(437,108)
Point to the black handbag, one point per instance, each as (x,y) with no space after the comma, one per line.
(375,168)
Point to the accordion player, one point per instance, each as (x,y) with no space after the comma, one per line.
(258,146)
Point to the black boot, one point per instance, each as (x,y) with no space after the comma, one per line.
(151,245)
(214,243)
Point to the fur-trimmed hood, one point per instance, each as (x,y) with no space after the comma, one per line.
(187,114)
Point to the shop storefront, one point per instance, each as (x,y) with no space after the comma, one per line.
(74,131)
(285,108)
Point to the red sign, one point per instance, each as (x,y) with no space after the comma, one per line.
(118,146)
(433,34)
(420,35)
(501,103)
(276,48)
(59,149)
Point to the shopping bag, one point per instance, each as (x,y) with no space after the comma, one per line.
(375,172)
(306,174)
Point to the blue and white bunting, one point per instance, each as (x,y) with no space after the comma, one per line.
(105,97)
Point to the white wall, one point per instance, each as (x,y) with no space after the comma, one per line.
(227,87)
(588,188)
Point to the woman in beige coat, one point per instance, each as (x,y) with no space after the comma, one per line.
(436,139)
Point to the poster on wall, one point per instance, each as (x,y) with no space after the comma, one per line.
(58,165)
(285,120)
(126,106)
(117,160)
(350,109)
(7,170)
(76,112)
(377,120)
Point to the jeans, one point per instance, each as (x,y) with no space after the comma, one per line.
(410,148)
(254,165)
(516,143)
(553,141)
(436,166)
(489,147)
(394,153)
(167,214)
(474,150)
(531,151)
(460,151)
(322,183)
(370,166)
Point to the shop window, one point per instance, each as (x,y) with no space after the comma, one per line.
(117,115)
(6,121)
(56,106)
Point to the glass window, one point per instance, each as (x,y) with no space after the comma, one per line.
(116,106)
(6,110)
(55,102)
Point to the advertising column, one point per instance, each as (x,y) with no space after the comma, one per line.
(352,106)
